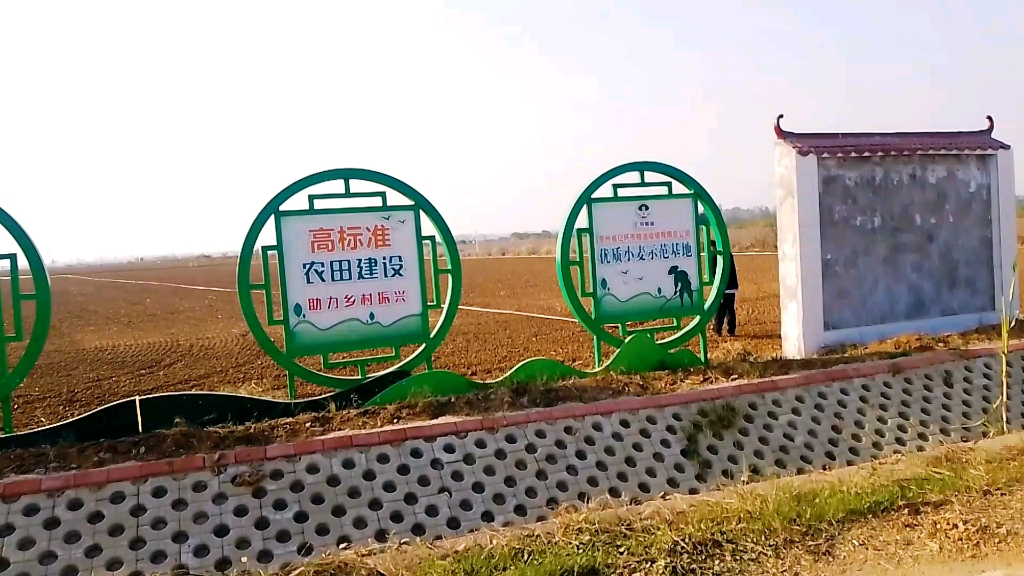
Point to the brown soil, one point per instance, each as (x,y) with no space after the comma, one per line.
(111,341)
(965,536)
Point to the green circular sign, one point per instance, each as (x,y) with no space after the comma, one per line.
(643,247)
(14,332)
(352,278)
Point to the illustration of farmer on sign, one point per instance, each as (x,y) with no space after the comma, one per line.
(636,240)
(683,287)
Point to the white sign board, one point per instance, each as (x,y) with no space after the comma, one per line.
(645,258)
(353,280)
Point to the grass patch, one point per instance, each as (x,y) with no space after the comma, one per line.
(736,531)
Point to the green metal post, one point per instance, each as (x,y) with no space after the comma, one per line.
(3,333)
(8,414)
(291,386)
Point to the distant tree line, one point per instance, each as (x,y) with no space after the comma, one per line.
(756,216)
(542,235)
(749,217)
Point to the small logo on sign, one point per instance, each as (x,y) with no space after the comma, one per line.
(643,212)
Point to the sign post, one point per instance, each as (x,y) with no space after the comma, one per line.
(639,251)
(352,279)
(11,376)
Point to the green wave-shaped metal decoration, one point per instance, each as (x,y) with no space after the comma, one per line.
(638,354)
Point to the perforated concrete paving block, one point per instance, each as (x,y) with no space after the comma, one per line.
(419,452)
(31,510)
(363,528)
(348,463)
(201,555)
(355,496)
(278,550)
(321,532)
(157,556)
(158,523)
(592,483)
(68,505)
(107,552)
(113,565)
(541,434)
(520,464)
(318,501)
(313,469)
(426,482)
(389,488)
(432,513)
(479,444)
(25,544)
(267,560)
(565,429)
(468,508)
(449,449)
(158,492)
(511,439)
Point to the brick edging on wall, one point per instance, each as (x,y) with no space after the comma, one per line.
(26,485)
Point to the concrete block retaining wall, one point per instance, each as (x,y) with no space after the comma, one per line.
(269,507)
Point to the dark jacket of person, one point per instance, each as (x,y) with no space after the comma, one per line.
(733,282)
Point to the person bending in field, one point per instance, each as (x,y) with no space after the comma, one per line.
(726,313)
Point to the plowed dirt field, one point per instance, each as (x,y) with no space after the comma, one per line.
(114,340)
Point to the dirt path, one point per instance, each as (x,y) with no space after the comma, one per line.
(965,536)
(996,565)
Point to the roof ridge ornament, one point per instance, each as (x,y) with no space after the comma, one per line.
(779,132)
(991,124)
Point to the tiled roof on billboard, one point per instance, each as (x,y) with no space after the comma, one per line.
(889,143)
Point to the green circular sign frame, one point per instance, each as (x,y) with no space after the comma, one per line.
(41,295)
(449,308)
(711,219)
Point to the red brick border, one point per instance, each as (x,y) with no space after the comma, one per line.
(25,485)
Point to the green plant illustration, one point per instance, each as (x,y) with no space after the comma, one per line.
(639,354)
(356,334)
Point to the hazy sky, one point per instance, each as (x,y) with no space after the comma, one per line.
(145,127)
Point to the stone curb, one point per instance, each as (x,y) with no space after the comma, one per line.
(27,485)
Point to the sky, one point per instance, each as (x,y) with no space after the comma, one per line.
(136,128)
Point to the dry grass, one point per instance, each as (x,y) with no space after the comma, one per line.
(961,501)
